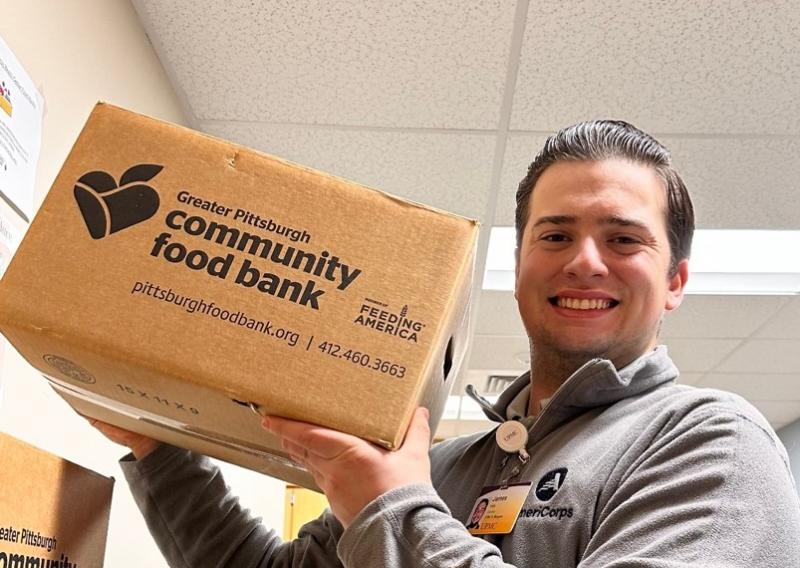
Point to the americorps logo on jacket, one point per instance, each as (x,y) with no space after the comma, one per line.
(546,489)
(108,206)
(550,483)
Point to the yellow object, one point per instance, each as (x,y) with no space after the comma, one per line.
(302,505)
(5,105)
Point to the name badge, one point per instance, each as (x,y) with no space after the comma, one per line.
(497,508)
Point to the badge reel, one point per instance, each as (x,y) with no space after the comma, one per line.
(498,506)
(511,435)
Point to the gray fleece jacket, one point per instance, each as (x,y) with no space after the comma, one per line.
(650,475)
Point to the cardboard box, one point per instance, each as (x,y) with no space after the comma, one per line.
(172,283)
(52,512)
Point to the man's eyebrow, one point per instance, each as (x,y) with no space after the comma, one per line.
(617,220)
(555,220)
(624,222)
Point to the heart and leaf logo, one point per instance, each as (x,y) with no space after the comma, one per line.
(108,206)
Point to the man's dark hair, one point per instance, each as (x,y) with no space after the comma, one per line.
(598,140)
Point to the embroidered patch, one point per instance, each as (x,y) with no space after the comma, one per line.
(550,483)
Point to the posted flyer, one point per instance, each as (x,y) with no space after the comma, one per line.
(21,112)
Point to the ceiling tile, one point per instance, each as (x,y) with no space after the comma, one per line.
(699,355)
(426,63)
(498,314)
(764,356)
(521,149)
(740,183)
(778,411)
(680,66)
(754,386)
(720,316)
(785,323)
(449,171)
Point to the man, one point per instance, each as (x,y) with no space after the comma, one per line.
(625,468)
(477,514)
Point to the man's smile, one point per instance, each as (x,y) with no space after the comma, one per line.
(582,303)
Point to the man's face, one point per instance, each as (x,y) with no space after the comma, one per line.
(479,510)
(592,272)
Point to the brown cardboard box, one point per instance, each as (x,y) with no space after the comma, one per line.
(173,283)
(52,512)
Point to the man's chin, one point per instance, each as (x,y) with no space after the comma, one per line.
(588,350)
(578,355)
(575,354)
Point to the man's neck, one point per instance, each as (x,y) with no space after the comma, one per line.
(548,373)
(549,370)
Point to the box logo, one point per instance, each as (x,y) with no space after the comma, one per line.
(68,368)
(389,322)
(108,207)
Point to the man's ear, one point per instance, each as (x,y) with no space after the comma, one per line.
(677,286)
(516,271)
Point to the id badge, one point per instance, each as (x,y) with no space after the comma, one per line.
(497,508)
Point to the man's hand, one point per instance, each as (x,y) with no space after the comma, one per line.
(351,471)
(139,445)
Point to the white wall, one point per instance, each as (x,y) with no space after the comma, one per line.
(78,52)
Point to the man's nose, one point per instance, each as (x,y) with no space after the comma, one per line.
(586,261)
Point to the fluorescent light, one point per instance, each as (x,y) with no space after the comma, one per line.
(723,262)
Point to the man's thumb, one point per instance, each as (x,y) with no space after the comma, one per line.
(419,431)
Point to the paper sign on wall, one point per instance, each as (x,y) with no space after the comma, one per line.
(21,108)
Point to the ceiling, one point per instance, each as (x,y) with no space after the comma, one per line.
(447,101)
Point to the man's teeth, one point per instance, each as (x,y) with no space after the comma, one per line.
(583,304)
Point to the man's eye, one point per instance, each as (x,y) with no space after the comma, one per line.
(554,238)
(625,240)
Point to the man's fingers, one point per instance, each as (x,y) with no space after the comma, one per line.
(319,441)
(294,450)
(115,433)
(108,429)
(304,440)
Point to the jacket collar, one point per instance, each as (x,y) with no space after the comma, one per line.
(597,383)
